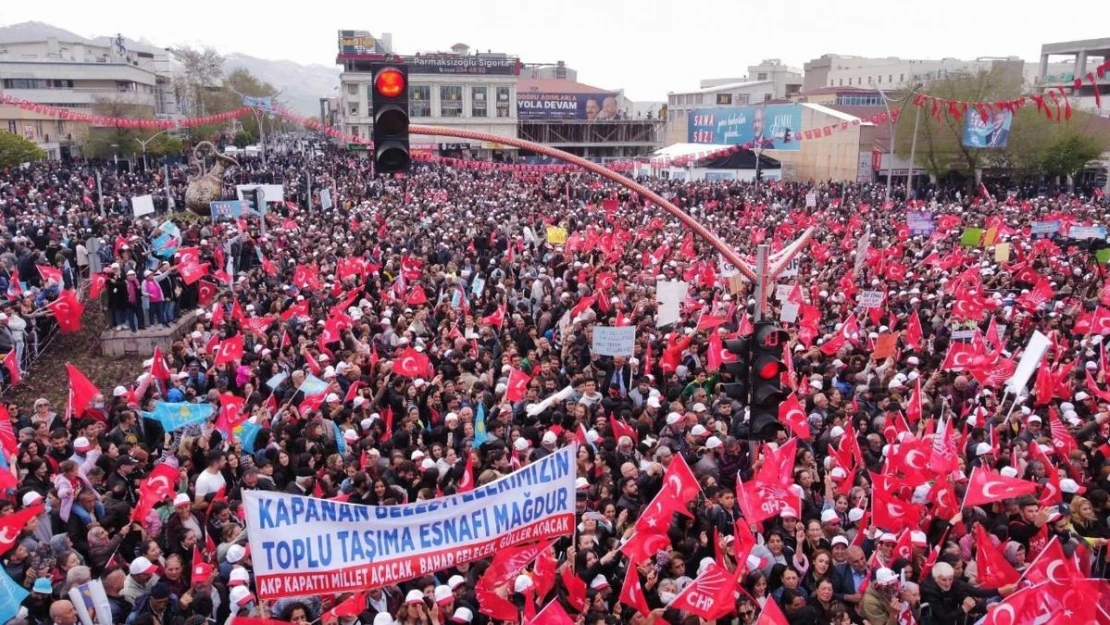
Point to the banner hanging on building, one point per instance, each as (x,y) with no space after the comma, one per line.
(588,106)
(770,127)
(993,133)
(463,64)
(306,546)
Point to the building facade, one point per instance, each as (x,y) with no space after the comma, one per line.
(1086,56)
(76,74)
(768,81)
(836,70)
(475,92)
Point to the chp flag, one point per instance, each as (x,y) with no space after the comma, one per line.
(306,546)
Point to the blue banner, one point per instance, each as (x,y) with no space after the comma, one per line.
(167,242)
(313,385)
(588,106)
(266,103)
(768,127)
(992,133)
(233,209)
(276,380)
(480,425)
(920,223)
(175,416)
(11,596)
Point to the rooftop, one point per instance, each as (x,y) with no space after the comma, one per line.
(555,85)
(726,87)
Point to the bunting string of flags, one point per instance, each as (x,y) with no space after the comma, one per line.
(122,122)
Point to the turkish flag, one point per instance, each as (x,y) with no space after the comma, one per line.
(494,606)
(890,512)
(313,366)
(188,255)
(206,293)
(158,367)
(771,614)
(231,413)
(50,273)
(958,357)
(544,572)
(644,545)
(8,443)
(496,318)
(81,389)
(576,588)
(96,285)
(466,482)
(552,614)
(229,350)
(709,595)
(67,310)
(416,296)
(632,592)
(794,416)
(13,524)
(351,606)
(155,488)
(411,363)
(518,385)
(994,570)
(986,486)
(12,366)
(1053,566)
(620,428)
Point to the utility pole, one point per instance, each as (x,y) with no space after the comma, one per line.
(166,181)
(99,194)
(144,144)
(913,151)
(761,277)
(893,126)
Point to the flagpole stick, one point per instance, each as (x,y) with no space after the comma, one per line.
(963,503)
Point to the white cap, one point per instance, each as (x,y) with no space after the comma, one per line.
(140,566)
(699,407)
(829,516)
(462,615)
(521,444)
(982,449)
(787,511)
(653,402)
(581,483)
(599,582)
(919,539)
(443,593)
(239,575)
(887,537)
(81,444)
(383,618)
(240,595)
(181,499)
(855,514)
(455,581)
(414,596)
(698,430)
(235,553)
(836,432)
(331,397)
(119,391)
(673,418)
(1009,472)
(713,442)
(522,583)
(350,436)
(840,540)
(885,576)
(30,498)
(1070,486)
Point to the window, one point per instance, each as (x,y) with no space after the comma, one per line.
(766,97)
(478,102)
(741,98)
(698,99)
(761,76)
(503,108)
(841,82)
(450,101)
(901,78)
(24,83)
(420,101)
(880,80)
(353,109)
(353,130)
(849,82)
(352,89)
(890,78)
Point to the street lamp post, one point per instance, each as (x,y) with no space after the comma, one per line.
(890,118)
(913,151)
(144,144)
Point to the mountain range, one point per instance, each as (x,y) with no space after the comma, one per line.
(300,86)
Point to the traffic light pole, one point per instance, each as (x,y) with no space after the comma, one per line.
(761,280)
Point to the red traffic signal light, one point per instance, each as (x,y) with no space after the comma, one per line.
(767,367)
(390,82)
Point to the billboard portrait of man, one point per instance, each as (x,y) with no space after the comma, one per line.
(593,109)
(758,125)
(999,132)
(608,108)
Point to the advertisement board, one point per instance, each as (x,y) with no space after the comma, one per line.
(588,106)
(724,99)
(769,127)
(457,64)
(358,42)
(992,133)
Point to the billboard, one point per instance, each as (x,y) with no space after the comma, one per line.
(359,42)
(770,127)
(458,64)
(724,99)
(588,106)
(993,133)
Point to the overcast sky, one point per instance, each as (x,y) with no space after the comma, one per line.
(647,47)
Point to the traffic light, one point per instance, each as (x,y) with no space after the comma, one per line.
(390,106)
(766,374)
(737,369)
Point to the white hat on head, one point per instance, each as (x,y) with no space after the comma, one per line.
(235,553)
(239,576)
(713,443)
(885,577)
(31,498)
(443,593)
(982,449)
(1009,471)
(673,418)
(240,595)
(698,430)
(522,583)
(599,583)
(462,615)
(383,618)
(855,514)
(181,499)
(455,581)
(840,540)
(414,596)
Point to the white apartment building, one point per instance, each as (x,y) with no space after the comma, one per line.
(1085,57)
(74,73)
(836,70)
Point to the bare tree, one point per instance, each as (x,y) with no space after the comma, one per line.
(201,70)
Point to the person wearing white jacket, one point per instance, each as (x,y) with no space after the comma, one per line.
(18,327)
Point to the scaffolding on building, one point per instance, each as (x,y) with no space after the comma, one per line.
(628,137)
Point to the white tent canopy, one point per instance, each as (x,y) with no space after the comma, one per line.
(679,150)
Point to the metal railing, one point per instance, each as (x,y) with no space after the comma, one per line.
(40,343)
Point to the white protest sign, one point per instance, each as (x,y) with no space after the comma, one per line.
(142,205)
(789,312)
(614,341)
(782,291)
(870,299)
(325,199)
(669,296)
(861,250)
(271,193)
(478,285)
(811,199)
(791,268)
(304,546)
(1034,352)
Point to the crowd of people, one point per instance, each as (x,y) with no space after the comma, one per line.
(455,264)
